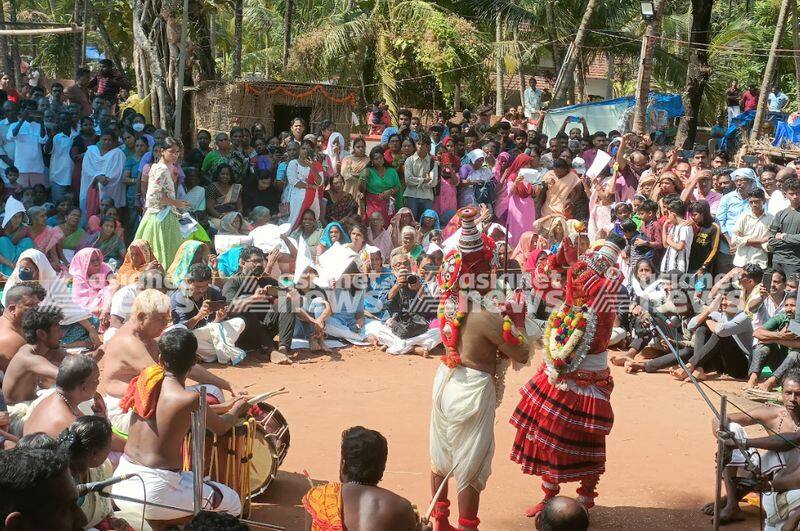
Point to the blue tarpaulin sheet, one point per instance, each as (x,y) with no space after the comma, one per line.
(743,120)
(785,133)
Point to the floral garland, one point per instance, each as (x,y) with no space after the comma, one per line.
(350,98)
(568,336)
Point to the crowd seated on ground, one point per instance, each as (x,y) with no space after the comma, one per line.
(265,247)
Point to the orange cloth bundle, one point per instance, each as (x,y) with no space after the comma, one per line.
(142,393)
(324,505)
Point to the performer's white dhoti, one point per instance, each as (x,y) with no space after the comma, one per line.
(397,345)
(462,425)
(168,488)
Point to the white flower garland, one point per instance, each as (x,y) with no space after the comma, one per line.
(584,342)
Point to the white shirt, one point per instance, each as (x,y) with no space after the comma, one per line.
(749,227)
(674,259)
(777,202)
(122,301)
(533,101)
(295,173)
(28,151)
(7,146)
(60,162)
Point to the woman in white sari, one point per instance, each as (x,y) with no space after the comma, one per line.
(102,169)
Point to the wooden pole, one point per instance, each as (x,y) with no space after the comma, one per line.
(40,31)
(796,46)
(646,68)
(181,71)
(723,425)
(85,23)
(498,65)
(769,72)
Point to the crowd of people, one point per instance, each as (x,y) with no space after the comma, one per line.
(120,245)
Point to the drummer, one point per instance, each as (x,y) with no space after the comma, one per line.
(162,408)
(133,349)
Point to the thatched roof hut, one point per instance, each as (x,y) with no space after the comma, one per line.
(219,106)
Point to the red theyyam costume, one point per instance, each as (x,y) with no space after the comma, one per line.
(565,415)
(464,399)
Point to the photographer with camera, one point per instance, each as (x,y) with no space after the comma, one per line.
(201,308)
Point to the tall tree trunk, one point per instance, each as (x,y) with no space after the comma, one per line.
(203,48)
(560,90)
(12,17)
(287,31)
(145,22)
(77,42)
(610,72)
(110,47)
(457,97)
(796,46)
(138,71)
(3,42)
(551,25)
(580,83)
(769,71)
(498,64)
(697,73)
(519,67)
(237,37)
(649,44)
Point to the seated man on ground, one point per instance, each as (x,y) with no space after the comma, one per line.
(722,341)
(76,382)
(201,308)
(18,299)
(562,514)
(161,417)
(38,491)
(772,349)
(133,349)
(781,462)
(357,502)
(35,365)
(251,296)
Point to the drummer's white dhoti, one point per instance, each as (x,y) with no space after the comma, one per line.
(168,488)
(120,420)
(462,425)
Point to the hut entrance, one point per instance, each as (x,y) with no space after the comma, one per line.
(284,114)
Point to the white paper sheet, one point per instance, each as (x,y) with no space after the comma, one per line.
(600,163)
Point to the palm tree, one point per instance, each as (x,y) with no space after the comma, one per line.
(237,53)
(769,71)
(287,30)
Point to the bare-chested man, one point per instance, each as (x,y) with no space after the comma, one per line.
(357,502)
(18,300)
(781,420)
(134,348)
(30,369)
(156,436)
(464,393)
(76,382)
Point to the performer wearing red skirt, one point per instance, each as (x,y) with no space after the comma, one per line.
(565,415)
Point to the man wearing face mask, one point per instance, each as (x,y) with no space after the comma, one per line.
(253,296)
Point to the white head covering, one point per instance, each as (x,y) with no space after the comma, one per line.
(579,165)
(13,207)
(433,248)
(475,155)
(331,140)
(743,173)
(57,293)
(371,249)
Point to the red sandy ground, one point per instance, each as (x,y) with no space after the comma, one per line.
(660,453)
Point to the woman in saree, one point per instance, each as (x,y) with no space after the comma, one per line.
(381,187)
(91,281)
(428,223)
(408,245)
(521,208)
(310,231)
(190,252)
(358,243)
(334,154)
(74,235)
(222,196)
(87,137)
(393,146)
(47,239)
(108,241)
(78,325)
(446,201)
(334,232)
(138,259)
(341,204)
(352,167)
(500,174)
(304,182)
(15,238)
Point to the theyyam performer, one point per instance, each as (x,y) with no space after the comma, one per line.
(565,412)
(480,339)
